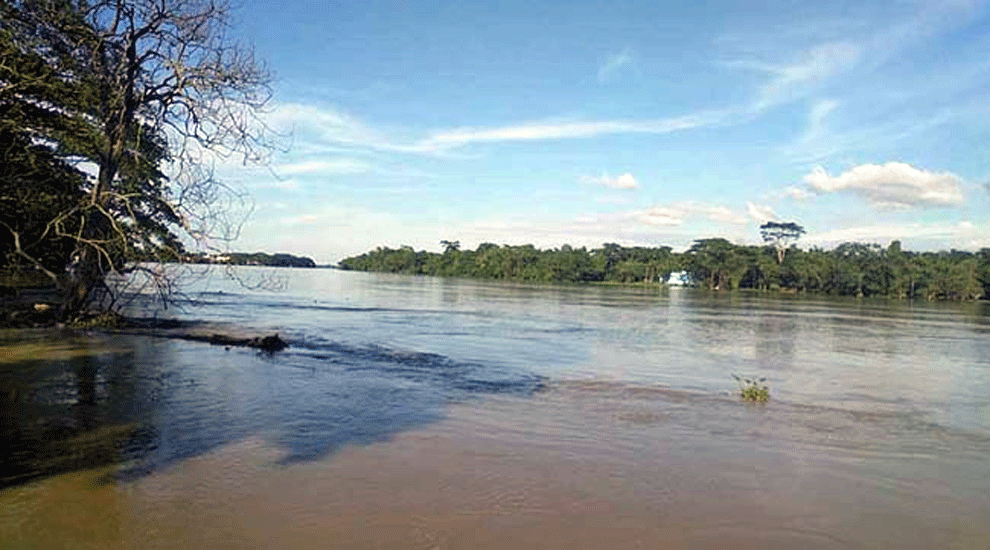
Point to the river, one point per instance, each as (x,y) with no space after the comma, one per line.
(415,412)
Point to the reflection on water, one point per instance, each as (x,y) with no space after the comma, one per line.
(69,407)
(150,402)
(430,413)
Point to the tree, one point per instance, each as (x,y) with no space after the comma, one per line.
(715,262)
(781,236)
(983,271)
(148,92)
(38,188)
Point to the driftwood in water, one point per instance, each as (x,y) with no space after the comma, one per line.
(266,343)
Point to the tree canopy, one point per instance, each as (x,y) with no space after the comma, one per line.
(781,235)
(111,113)
(850,269)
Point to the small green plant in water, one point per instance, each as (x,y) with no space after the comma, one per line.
(753,389)
(106,319)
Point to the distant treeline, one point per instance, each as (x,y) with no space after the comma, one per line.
(251,258)
(850,269)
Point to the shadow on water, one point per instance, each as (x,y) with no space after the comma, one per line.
(69,408)
(143,403)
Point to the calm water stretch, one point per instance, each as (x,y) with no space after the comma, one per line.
(431,413)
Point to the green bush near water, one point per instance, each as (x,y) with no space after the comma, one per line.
(753,389)
(102,320)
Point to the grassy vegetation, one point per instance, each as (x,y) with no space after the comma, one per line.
(102,320)
(753,389)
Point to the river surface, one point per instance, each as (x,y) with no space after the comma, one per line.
(414,412)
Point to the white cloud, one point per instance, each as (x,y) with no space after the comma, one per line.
(964,234)
(332,231)
(334,166)
(318,129)
(283,184)
(803,75)
(817,121)
(677,213)
(450,139)
(321,127)
(723,214)
(761,214)
(894,184)
(797,193)
(613,63)
(661,215)
(613,199)
(590,231)
(624,181)
(305,219)
(819,112)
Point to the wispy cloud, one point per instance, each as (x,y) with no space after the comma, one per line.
(660,215)
(613,199)
(808,71)
(333,166)
(326,127)
(962,234)
(613,63)
(894,184)
(817,121)
(305,219)
(331,231)
(590,231)
(330,130)
(812,69)
(798,193)
(624,181)
(283,184)
(678,212)
(796,76)
(450,139)
(761,214)
(822,142)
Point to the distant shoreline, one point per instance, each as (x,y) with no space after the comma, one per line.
(279,259)
(850,269)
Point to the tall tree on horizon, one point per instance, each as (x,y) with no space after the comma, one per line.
(781,235)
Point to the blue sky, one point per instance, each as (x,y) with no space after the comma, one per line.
(641,122)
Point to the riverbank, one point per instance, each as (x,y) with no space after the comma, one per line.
(39,315)
(850,269)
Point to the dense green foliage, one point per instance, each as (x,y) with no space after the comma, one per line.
(40,189)
(253,258)
(781,235)
(525,263)
(130,90)
(61,103)
(850,269)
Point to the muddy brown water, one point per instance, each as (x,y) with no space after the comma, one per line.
(430,413)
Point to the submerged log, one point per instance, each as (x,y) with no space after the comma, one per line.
(270,344)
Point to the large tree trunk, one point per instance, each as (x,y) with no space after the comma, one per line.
(87,268)
(84,275)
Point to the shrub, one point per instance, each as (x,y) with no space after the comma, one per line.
(753,389)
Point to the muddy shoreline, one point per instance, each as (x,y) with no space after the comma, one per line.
(44,316)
